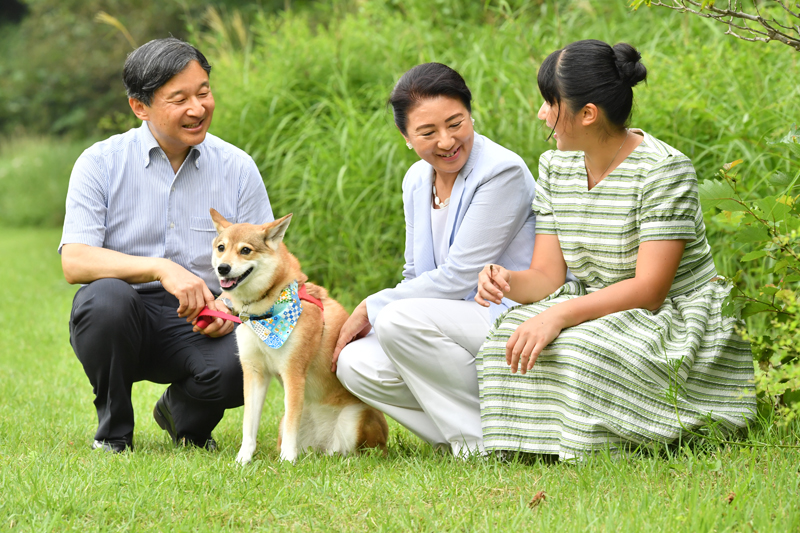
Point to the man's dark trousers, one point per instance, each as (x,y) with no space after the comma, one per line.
(122,336)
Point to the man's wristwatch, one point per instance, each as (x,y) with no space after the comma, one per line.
(228,303)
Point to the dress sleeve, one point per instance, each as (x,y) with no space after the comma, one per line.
(87,203)
(542,207)
(670,201)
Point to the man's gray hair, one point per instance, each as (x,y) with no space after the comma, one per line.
(153,64)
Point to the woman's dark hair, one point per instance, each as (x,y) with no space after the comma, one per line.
(153,64)
(428,80)
(593,72)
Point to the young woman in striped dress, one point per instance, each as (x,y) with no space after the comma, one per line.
(636,348)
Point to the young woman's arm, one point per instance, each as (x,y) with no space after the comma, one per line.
(655,271)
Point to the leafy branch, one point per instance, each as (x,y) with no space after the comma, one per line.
(771,225)
(780,24)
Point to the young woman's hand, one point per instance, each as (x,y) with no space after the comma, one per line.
(530,338)
(492,284)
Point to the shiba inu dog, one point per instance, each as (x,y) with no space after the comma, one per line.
(289,329)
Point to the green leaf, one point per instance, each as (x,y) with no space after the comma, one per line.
(780,179)
(769,291)
(780,265)
(755,254)
(792,278)
(712,192)
(779,211)
(752,308)
(730,205)
(749,220)
(752,234)
(792,223)
(766,204)
(791,397)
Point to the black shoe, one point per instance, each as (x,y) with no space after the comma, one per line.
(164,419)
(210,444)
(112,445)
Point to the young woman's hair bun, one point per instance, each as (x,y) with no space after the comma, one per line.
(628,59)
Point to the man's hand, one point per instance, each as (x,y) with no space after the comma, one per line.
(190,290)
(357,326)
(218,327)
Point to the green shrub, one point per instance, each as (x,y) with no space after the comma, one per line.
(768,223)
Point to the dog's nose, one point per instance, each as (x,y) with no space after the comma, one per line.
(224,269)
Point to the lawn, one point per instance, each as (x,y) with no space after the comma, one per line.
(51,481)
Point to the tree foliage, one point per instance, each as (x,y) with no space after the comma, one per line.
(61,64)
(762,21)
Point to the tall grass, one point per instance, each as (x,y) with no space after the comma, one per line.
(308,101)
(304,92)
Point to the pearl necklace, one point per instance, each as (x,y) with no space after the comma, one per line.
(437,202)
(589,172)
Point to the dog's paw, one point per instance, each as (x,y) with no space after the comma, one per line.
(288,455)
(244,456)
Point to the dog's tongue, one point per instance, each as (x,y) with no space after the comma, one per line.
(227,283)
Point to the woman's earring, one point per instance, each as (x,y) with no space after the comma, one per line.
(473,121)
(408,144)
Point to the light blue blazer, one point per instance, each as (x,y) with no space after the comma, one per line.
(489,221)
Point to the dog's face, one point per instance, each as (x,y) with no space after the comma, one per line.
(246,257)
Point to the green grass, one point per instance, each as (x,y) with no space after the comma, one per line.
(34,175)
(51,481)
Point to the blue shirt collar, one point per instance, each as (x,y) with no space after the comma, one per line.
(149,143)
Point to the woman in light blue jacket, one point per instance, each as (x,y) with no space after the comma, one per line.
(467,203)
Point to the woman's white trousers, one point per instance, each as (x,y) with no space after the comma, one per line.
(419,368)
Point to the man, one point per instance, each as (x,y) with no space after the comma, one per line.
(137,234)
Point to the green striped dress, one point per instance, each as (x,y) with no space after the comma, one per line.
(630,377)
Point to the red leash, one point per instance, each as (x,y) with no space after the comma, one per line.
(207,316)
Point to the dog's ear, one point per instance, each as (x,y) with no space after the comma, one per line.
(219,221)
(274,231)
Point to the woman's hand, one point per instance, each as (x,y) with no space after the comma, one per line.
(530,338)
(357,326)
(492,284)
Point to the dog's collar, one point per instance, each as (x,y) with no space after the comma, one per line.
(302,294)
(286,298)
(274,327)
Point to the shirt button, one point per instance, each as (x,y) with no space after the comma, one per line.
(171,225)
(173,189)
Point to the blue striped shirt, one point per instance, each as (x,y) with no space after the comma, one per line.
(124,196)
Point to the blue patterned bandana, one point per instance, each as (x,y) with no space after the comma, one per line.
(276,326)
